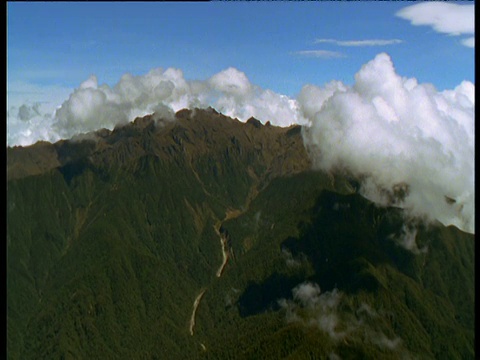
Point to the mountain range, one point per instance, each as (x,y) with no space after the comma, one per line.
(206,237)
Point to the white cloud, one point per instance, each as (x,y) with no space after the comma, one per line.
(92,106)
(407,239)
(308,295)
(291,261)
(321,309)
(89,108)
(443,17)
(322,54)
(312,97)
(27,112)
(332,315)
(231,81)
(368,42)
(30,110)
(391,130)
(469,42)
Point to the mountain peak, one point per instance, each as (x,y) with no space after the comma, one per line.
(191,132)
(255,122)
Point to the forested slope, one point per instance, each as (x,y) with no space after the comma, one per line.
(112,237)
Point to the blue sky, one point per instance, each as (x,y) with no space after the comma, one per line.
(62,44)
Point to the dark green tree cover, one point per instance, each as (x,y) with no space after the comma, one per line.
(110,241)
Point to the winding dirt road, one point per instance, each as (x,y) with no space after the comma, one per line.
(194,312)
(223,242)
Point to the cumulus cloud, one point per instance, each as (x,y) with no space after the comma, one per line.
(231,93)
(30,111)
(389,130)
(27,112)
(367,42)
(231,82)
(89,108)
(92,106)
(311,97)
(443,17)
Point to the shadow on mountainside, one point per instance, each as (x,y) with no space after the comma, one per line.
(346,239)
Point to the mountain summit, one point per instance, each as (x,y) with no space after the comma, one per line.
(205,237)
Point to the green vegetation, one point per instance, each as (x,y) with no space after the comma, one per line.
(109,244)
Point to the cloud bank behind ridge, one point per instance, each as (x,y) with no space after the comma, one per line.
(389,131)
(384,128)
(92,106)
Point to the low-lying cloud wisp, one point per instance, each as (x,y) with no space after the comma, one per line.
(340,321)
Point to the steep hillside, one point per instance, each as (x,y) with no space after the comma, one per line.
(205,237)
